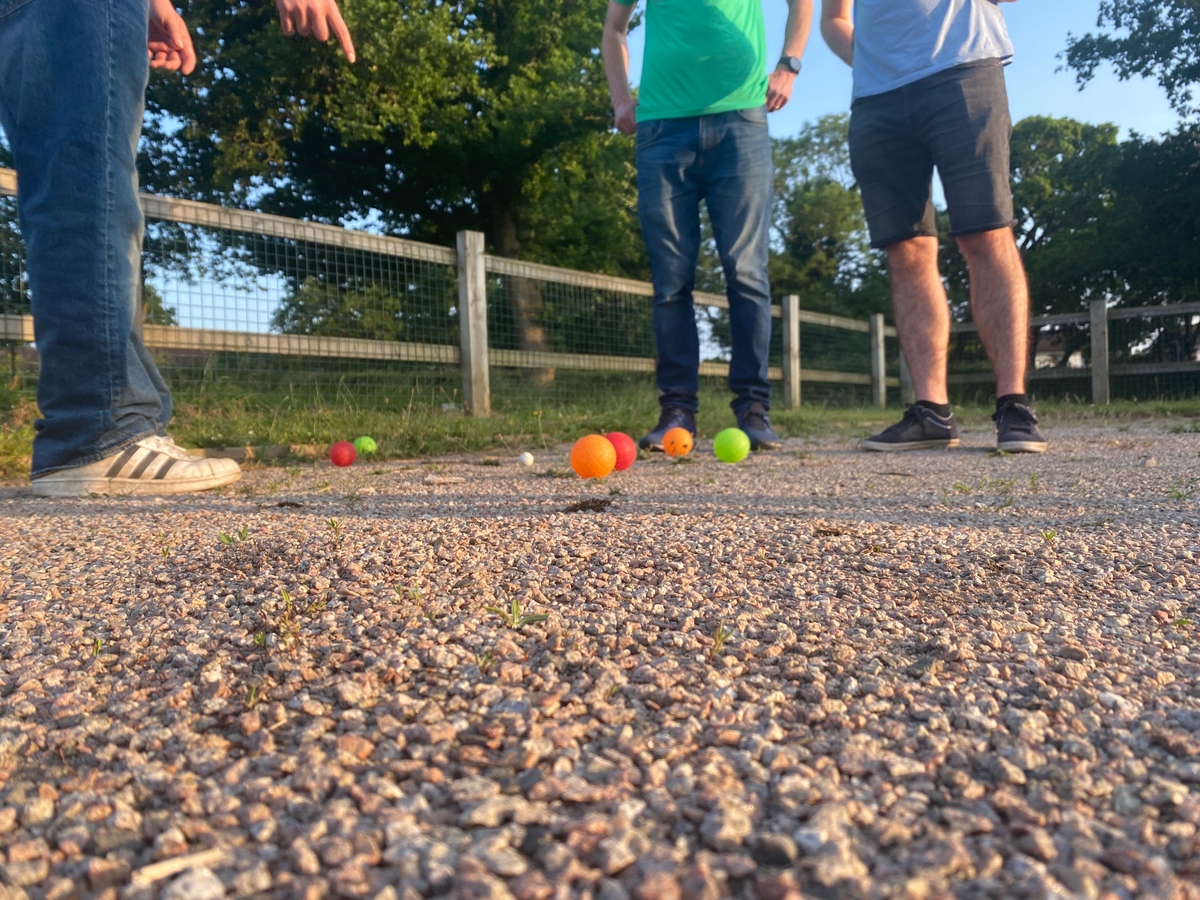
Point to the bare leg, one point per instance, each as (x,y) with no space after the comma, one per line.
(1000,304)
(922,314)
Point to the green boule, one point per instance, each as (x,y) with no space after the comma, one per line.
(731,445)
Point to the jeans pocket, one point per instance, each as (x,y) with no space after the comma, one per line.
(755,115)
(11,6)
(650,132)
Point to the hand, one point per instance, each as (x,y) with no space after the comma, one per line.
(779,89)
(315,18)
(167,40)
(626,116)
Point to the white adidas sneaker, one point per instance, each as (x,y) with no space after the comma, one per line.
(153,465)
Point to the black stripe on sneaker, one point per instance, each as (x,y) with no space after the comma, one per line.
(120,461)
(162,473)
(145,464)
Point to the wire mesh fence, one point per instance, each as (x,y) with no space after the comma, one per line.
(241,308)
(1058,362)
(16,331)
(1144,353)
(238,303)
(1155,355)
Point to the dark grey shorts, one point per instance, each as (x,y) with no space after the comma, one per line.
(956,120)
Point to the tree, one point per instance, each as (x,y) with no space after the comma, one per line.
(14,298)
(1158,39)
(1064,195)
(477,114)
(1156,224)
(823,249)
(154,310)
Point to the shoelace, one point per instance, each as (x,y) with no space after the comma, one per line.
(910,415)
(1023,416)
(168,446)
(674,418)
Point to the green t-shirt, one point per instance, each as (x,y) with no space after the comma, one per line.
(702,57)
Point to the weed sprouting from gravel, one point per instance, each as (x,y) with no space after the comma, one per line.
(720,637)
(286,625)
(412,595)
(1049,535)
(335,528)
(238,536)
(1184,489)
(513,617)
(97,646)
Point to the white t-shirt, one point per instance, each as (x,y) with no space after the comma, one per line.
(897,42)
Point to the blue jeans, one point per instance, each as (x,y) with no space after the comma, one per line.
(724,159)
(72,89)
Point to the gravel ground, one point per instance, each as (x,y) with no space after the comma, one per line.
(817,674)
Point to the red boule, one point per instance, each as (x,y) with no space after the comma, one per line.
(342,454)
(625,447)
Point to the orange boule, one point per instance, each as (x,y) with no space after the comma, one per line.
(593,456)
(678,442)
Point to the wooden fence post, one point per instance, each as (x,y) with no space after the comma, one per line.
(1099,333)
(472,323)
(907,394)
(791,351)
(878,362)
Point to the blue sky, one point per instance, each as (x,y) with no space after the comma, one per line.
(1039,31)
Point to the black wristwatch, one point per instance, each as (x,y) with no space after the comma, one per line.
(792,63)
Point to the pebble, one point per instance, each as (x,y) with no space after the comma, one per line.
(195,884)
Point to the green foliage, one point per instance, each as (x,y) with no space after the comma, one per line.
(13,297)
(824,252)
(360,308)
(154,312)
(1154,38)
(579,208)
(1064,195)
(455,116)
(513,617)
(1156,226)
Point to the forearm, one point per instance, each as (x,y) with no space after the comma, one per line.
(798,28)
(837,27)
(839,36)
(615,50)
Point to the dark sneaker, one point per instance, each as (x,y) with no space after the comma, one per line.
(754,421)
(1017,431)
(671,417)
(920,429)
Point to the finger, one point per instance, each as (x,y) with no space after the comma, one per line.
(343,34)
(183,43)
(285,19)
(320,28)
(301,18)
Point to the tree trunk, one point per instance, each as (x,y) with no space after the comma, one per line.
(524,298)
